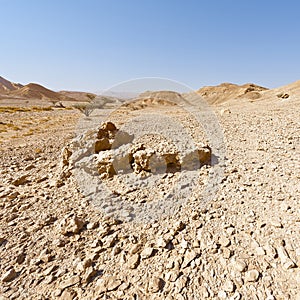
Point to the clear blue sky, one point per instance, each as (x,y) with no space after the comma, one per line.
(91,45)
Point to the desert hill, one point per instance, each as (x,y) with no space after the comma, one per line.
(228,91)
(7,86)
(289,92)
(80,96)
(214,95)
(36,91)
(10,90)
(16,92)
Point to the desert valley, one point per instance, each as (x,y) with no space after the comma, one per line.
(64,237)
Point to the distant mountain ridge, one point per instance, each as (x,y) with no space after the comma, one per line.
(9,89)
(7,86)
(213,95)
(36,91)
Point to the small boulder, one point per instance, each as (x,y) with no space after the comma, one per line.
(10,275)
(102,145)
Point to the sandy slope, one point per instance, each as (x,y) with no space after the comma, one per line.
(228,91)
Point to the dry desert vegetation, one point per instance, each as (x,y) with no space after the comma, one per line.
(62,239)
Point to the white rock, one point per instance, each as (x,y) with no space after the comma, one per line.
(224,241)
(107,284)
(228,286)
(161,242)
(251,276)
(271,251)
(83,265)
(133,261)
(260,251)
(172,275)
(71,225)
(286,262)
(239,265)
(222,295)
(188,258)
(70,282)
(147,252)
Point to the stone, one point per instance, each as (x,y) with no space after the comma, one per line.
(230,230)
(92,225)
(107,284)
(184,244)
(59,242)
(260,251)
(57,293)
(110,241)
(105,166)
(203,292)
(21,180)
(276,224)
(66,154)
(49,270)
(102,145)
(155,285)
(270,251)
(161,242)
(172,276)
(222,295)
(204,154)
(2,240)
(67,295)
(70,282)
(224,241)
(109,126)
(13,195)
(90,272)
(116,250)
(170,264)
(135,248)
(178,226)
(224,111)
(251,275)
(189,256)
(134,261)
(70,225)
(122,138)
(48,279)
(147,252)
(20,258)
(228,286)
(181,283)
(226,253)
(283,95)
(239,265)
(286,262)
(83,265)
(10,275)
(45,255)
(102,133)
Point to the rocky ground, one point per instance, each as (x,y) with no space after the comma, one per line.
(243,244)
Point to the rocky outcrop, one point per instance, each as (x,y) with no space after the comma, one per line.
(114,152)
